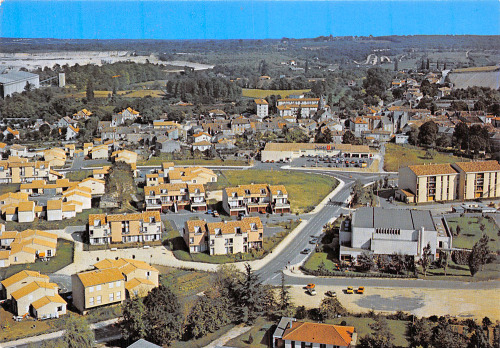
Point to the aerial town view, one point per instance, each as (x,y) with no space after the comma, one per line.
(249,174)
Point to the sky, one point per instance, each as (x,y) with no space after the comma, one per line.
(150,19)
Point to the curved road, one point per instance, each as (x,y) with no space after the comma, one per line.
(270,274)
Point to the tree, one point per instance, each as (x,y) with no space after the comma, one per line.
(427,133)
(381,336)
(44,130)
(134,323)
(28,87)
(443,141)
(348,138)
(90,89)
(396,61)
(479,255)
(285,300)
(377,81)
(330,307)
(121,185)
(444,259)
(356,192)
(77,333)
(209,314)
(164,317)
(413,135)
(425,259)
(444,337)
(461,135)
(459,229)
(428,64)
(249,296)
(418,333)
(365,261)
(478,338)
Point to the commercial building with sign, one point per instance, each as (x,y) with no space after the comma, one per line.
(274,152)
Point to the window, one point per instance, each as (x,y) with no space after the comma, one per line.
(118,283)
(111,297)
(191,240)
(98,288)
(111,285)
(118,295)
(91,301)
(97,222)
(136,292)
(91,289)
(99,299)
(59,309)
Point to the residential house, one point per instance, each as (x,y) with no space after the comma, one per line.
(291,333)
(18,150)
(39,299)
(380,231)
(20,171)
(191,175)
(97,288)
(82,114)
(72,132)
(97,186)
(126,156)
(202,146)
(99,152)
(261,198)
(19,280)
(228,237)
(124,228)
(55,156)
(358,126)
(202,137)
(9,132)
(127,114)
(240,125)
(26,246)
(100,173)
(140,277)
(165,145)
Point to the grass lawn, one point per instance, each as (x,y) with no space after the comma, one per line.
(456,272)
(470,231)
(80,219)
(78,175)
(315,260)
(397,156)
(6,188)
(260,334)
(177,244)
(305,191)
(64,257)
(262,93)
(397,327)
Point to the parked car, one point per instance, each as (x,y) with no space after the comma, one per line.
(305,251)
(210,212)
(215,213)
(361,290)
(350,290)
(311,289)
(331,293)
(35,195)
(313,241)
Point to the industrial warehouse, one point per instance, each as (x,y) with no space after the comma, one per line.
(16,81)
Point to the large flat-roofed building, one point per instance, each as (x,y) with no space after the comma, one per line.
(274,152)
(448,182)
(15,82)
(382,231)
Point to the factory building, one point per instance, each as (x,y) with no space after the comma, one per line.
(15,81)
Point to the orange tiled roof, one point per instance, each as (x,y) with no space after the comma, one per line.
(22,275)
(432,169)
(319,333)
(483,166)
(91,278)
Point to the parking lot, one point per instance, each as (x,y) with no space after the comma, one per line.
(332,162)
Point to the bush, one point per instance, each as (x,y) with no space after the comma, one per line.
(326,273)
(460,257)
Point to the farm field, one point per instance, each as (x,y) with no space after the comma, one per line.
(262,93)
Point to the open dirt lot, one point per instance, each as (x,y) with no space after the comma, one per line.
(421,302)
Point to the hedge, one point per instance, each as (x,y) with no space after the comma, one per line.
(326,273)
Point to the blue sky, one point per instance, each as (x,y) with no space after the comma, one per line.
(152,19)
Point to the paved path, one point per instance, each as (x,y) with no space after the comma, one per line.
(234,332)
(53,335)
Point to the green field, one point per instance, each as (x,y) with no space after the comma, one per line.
(316,259)
(470,231)
(64,257)
(262,93)
(305,191)
(397,156)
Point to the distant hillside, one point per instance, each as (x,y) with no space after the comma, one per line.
(486,76)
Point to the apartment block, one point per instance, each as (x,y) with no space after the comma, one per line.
(20,170)
(255,198)
(175,197)
(97,288)
(448,182)
(124,228)
(228,237)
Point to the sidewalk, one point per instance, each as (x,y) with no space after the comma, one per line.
(53,335)
(234,332)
